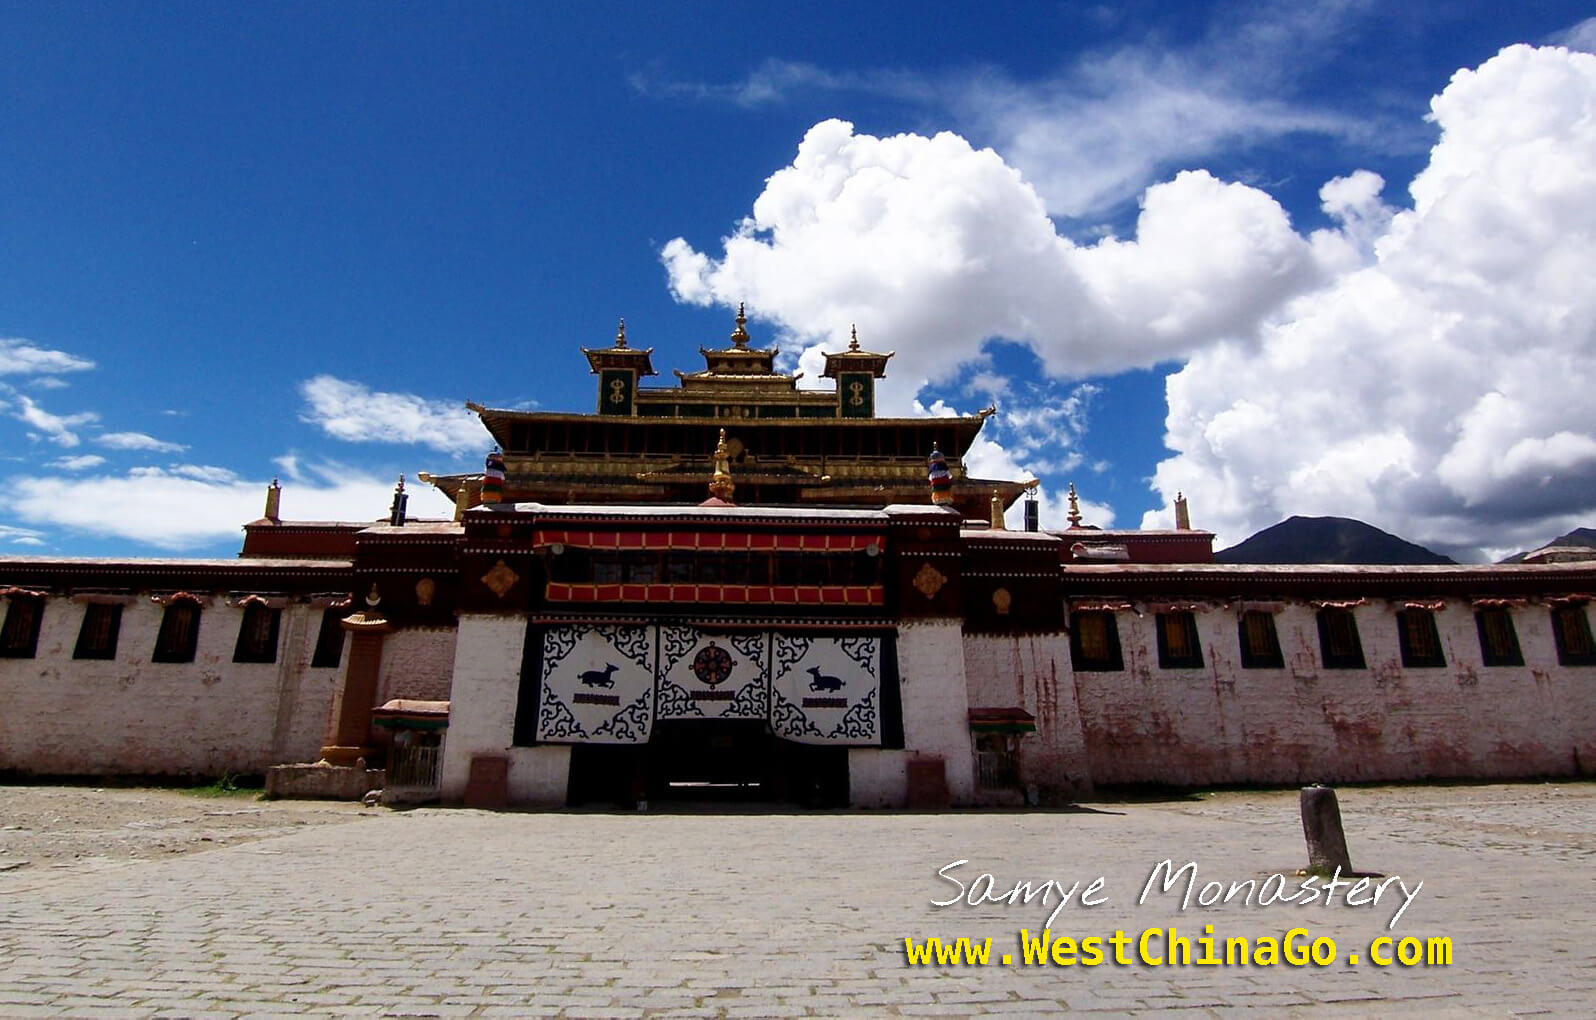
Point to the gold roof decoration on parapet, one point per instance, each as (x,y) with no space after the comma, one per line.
(738,365)
(720,482)
(856,359)
(638,359)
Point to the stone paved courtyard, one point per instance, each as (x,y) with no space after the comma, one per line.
(453,912)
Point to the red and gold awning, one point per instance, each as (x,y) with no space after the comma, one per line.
(707,541)
(721,594)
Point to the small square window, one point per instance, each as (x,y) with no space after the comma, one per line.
(1178,646)
(1260,645)
(179,634)
(329,641)
(1338,639)
(97,636)
(1419,639)
(1498,639)
(257,634)
(19,637)
(1571,628)
(1094,643)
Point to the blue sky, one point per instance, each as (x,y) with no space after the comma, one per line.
(246,241)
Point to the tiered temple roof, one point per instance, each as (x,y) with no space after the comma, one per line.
(787,446)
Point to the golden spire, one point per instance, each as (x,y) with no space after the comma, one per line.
(853,344)
(620,335)
(720,483)
(1182,512)
(997,511)
(739,337)
(1075,508)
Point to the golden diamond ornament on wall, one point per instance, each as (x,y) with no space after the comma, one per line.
(500,579)
(929,580)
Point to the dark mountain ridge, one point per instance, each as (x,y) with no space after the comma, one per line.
(1327,540)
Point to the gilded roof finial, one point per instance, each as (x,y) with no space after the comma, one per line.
(997,511)
(853,344)
(720,483)
(1182,512)
(1075,508)
(620,335)
(739,337)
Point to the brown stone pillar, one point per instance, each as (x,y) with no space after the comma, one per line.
(349,737)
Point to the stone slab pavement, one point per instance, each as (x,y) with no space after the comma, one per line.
(449,912)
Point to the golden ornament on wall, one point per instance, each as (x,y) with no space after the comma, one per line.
(500,579)
(425,588)
(1001,600)
(929,580)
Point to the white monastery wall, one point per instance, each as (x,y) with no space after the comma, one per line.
(1305,723)
(417,662)
(878,778)
(305,701)
(133,716)
(1032,671)
(487,680)
(936,707)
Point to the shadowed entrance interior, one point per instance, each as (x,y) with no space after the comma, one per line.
(719,760)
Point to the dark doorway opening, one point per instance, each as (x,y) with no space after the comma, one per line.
(726,761)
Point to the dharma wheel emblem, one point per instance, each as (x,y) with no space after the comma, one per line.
(712,665)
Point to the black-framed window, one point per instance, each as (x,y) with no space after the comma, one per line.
(1178,645)
(1094,642)
(1419,639)
(1260,644)
(102,624)
(1498,638)
(329,641)
(1338,639)
(179,634)
(1571,629)
(19,636)
(257,634)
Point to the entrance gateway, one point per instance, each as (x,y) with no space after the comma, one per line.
(699,711)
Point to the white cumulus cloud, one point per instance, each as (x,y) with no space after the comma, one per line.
(138,441)
(82,462)
(1443,390)
(195,505)
(57,428)
(933,247)
(22,357)
(355,413)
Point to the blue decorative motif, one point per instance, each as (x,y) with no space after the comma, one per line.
(861,650)
(555,721)
(713,665)
(750,701)
(752,648)
(557,644)
(789,650)
(631,724)
(675,702)
(674,642)
(788,720)
(632,642)
(859,723)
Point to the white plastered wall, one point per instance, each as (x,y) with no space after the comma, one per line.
(133,716)
(1306,723)
(487,683)
(936,710)
(1032,671)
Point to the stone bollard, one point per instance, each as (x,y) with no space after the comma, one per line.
(1321,826)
